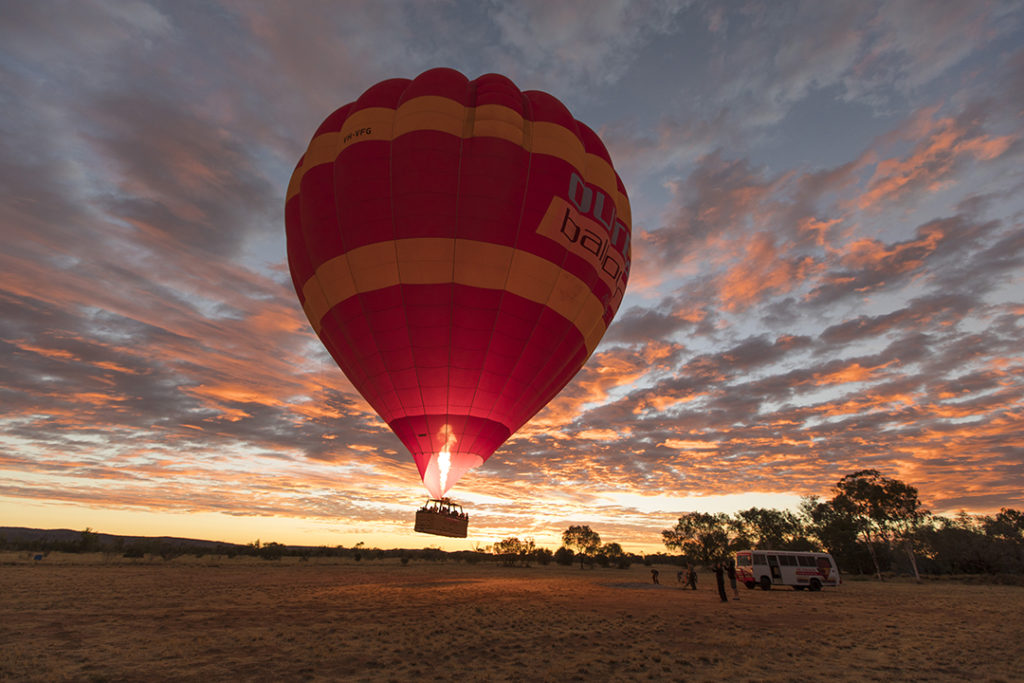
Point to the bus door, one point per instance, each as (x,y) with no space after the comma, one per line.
(825,569)
(773,565)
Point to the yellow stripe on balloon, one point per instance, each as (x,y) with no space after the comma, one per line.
(467,262)
(497,121)
(372,123)
(430,112)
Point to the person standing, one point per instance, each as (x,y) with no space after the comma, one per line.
(691,576)
(720,580)
(730,569)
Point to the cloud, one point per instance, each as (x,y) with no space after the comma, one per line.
(941,146)
(580,44)
(916,42)
(718,201)
(791,319)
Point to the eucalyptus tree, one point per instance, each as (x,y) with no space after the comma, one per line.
(702,536)
(583,540)
(770,528)
(885,510)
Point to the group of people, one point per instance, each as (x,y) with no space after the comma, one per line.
(687,577)
(443,507)
(722,568)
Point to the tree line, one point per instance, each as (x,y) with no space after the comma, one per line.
(872,524)
(578,543)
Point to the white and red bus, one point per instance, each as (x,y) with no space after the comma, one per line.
(767,568)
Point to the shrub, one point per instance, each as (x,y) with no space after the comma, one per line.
(564,556)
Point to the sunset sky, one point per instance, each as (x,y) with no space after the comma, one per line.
(828,264)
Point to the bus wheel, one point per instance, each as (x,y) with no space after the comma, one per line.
(750,584)
(815,585)
(766,583)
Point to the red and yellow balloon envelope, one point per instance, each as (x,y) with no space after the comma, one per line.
(460,248)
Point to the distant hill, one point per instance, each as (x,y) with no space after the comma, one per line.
(72,541)
(17,536)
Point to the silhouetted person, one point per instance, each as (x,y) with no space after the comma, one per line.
(720,580)
(691,576)
(654,576)
(730,569)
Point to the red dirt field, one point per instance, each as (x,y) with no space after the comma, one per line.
(72,618)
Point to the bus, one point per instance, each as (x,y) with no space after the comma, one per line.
(767,568)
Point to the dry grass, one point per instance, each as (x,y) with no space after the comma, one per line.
(73,618)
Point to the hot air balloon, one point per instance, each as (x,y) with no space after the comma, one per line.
(460,247)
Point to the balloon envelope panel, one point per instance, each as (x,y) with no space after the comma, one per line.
(460,248)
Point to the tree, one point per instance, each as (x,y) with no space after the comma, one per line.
(563,556)
(834,530)
(272,551)
(1006,533)
(88,541)
(701,535)
(1008,525)
(886,510)
(613,554)
(957,546)
(582,539)
(544,556)
(508,551)
(527,550)
(770,529)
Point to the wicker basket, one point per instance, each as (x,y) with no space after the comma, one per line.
(442,518)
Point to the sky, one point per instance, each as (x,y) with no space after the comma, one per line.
(828,203)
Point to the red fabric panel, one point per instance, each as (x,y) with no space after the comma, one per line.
(383,94)
(497,89)
(441,83)
(424,204)
(493,182)
(321,232)
(298,253)
(362,191)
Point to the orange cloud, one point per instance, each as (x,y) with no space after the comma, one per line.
(818,228)
(855,372)
(762,271)
(941,144)
(869,253)
(690,445)
(96,398)
(663,402)
(48,353)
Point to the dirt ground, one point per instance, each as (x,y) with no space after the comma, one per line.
(248,619)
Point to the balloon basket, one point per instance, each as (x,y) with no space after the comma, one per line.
(442,517)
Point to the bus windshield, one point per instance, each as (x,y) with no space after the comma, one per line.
(743,560)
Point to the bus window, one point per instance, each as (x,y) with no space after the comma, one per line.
(743,560)
(787,560)
(759,558)
(806,561)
